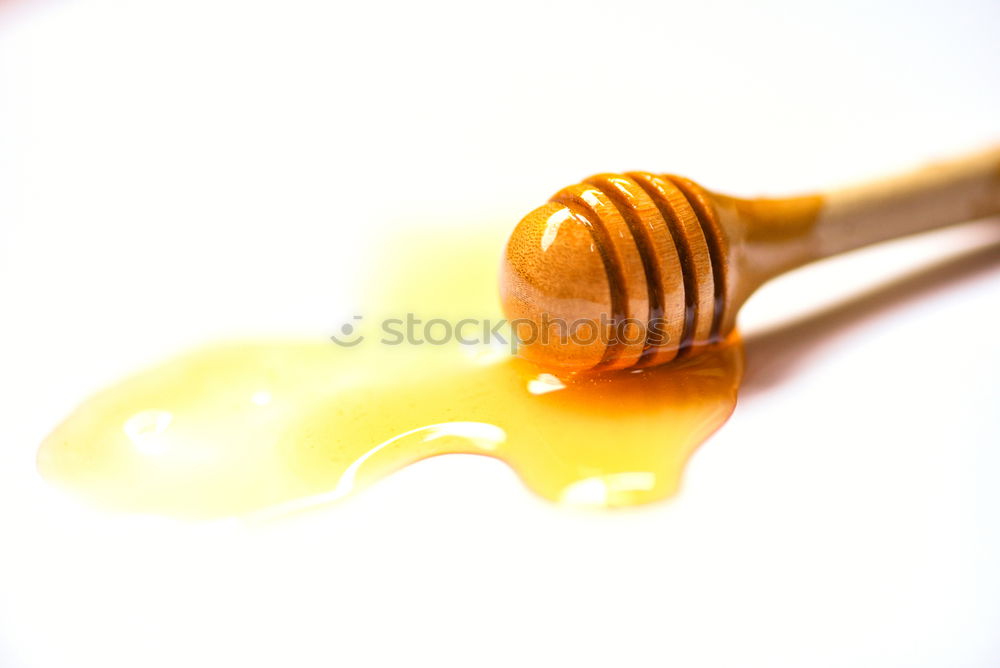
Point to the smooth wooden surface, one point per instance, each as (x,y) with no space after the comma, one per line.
(681,260)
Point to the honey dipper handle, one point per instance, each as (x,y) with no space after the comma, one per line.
(935,196)
(768,237)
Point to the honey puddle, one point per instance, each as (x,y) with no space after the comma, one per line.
(243,427)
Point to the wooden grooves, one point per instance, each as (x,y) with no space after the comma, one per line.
(661,265)
(696,259)
(715,238)
(660,245)
(623,262)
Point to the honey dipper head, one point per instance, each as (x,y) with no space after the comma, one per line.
(613,273)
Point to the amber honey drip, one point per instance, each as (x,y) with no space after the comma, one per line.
(243,427)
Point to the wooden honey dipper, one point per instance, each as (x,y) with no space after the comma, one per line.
(633,270)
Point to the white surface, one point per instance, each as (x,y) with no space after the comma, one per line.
(172,172)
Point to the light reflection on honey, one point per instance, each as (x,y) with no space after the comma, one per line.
(243,427)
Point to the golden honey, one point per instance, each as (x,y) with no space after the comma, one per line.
(271,426)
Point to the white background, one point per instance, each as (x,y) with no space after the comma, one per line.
(177,172)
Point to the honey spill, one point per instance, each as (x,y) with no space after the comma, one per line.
(273,425)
